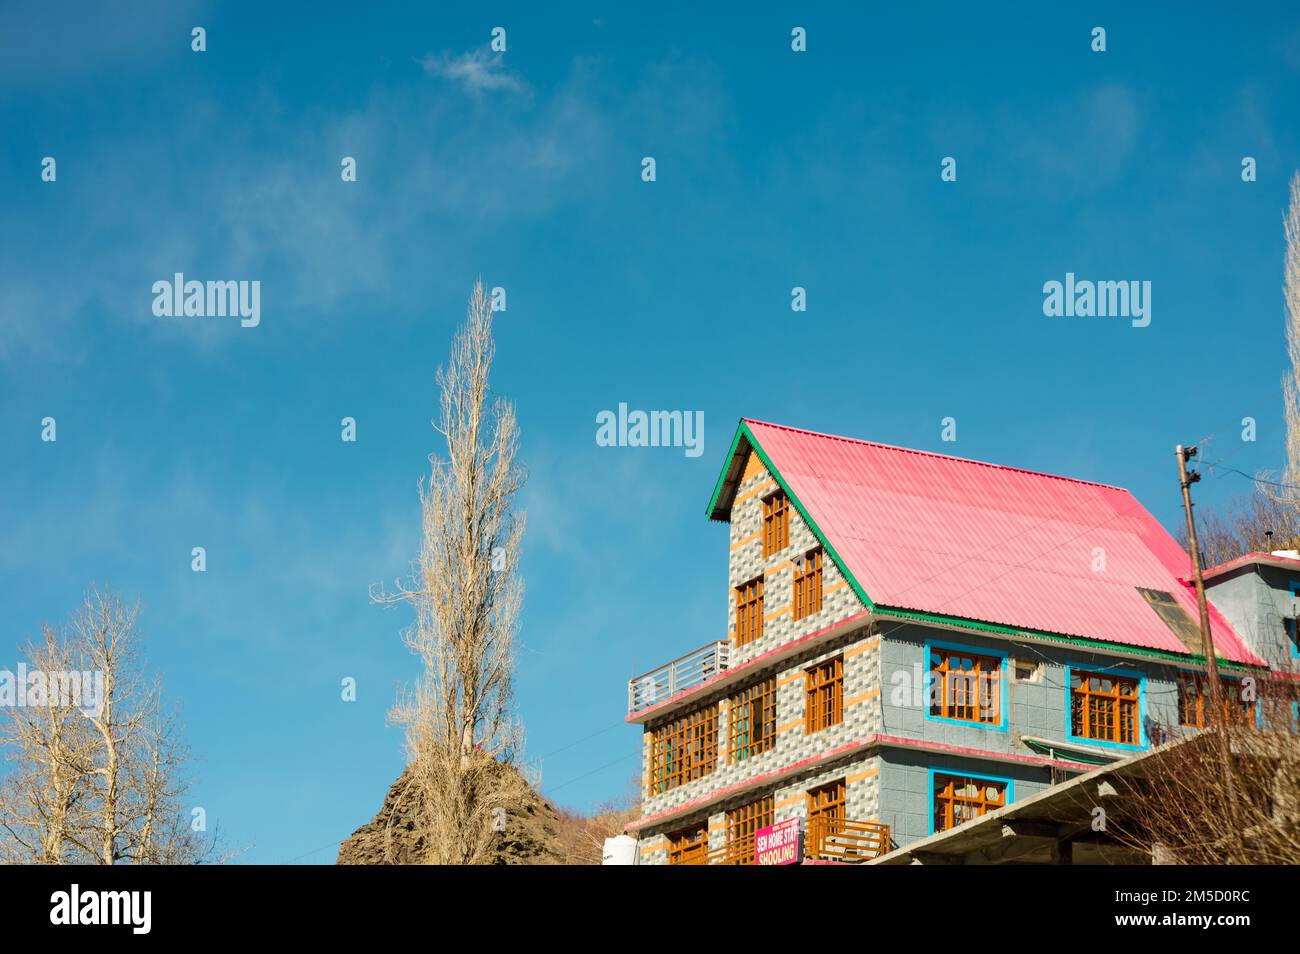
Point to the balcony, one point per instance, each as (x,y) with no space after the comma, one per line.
(845,840)
(683,673)
(842,840)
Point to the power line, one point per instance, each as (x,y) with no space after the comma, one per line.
(1254,478)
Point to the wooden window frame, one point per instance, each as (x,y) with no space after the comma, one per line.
(776,523)
(689,845)
(1087,704)
(808,583)
(827,801)
(749,611)
(945,800)
(757,704)
(683,750)
(824,695)
(966,695)
(743,823)
(1194,701)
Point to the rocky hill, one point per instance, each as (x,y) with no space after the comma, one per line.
(536,833)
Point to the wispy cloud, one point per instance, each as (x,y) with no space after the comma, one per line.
(475,70)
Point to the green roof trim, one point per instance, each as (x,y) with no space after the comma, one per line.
(744,433)
(1067,752)
(1085,642)
(741,431)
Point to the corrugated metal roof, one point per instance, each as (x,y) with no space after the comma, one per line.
(938,534)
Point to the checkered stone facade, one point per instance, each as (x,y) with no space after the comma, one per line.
(861,713)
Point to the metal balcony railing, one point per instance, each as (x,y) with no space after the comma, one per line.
(677,676)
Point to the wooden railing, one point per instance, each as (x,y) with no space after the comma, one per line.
(740,852)
(844,839)
(671,678)
(826,839)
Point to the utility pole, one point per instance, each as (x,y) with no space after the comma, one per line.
(1186,480)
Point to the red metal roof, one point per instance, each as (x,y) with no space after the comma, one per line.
(1250,559)
(939,534)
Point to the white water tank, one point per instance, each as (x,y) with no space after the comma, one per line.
(619,850)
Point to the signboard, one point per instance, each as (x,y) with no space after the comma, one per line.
(777,844)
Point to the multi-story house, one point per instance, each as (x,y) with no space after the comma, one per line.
(914,639)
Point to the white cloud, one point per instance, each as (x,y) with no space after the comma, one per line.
(475,71)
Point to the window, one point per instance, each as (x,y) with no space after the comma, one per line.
(752,719)
(776,523)
(690,846)
(749,611)
(1028,670)
(826,803)
(1173,615)
(743,824)
(824,700)
(684,749)
(958,798)
(808,584)
(1104,708)
(966,687)
(1194,702)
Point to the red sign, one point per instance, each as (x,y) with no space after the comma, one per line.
(777,844)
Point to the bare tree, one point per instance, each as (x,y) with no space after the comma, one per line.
(1291,379)
(44,801)
(1192,806)
(1243,527)
(100,778)
(1274,503)
(466,593)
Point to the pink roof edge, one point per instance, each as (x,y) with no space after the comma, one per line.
(1258,556)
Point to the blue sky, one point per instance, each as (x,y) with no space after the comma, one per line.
(774,170)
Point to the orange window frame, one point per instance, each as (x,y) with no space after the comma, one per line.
(776,523)
(808,583)
(824,695)
(688,845)
(1101,714)
(743,824)
(749,611)
(683,750)
(751,721)
(1194,702)
(827,801)
(967,686)
(959,798)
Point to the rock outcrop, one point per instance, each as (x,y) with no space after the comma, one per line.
(532,835)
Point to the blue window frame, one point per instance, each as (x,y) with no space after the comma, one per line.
(1094,700)
(971,693)
(973,803)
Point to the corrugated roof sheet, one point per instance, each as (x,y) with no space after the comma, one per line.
(939,534)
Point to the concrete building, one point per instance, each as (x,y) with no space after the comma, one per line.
(915,640)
